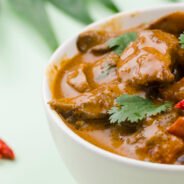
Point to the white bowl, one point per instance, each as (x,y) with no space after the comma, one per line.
(90,164)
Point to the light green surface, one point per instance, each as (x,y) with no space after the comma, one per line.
(22,120)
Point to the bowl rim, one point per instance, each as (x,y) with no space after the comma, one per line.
(91,147)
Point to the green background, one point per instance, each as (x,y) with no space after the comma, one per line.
(23,124)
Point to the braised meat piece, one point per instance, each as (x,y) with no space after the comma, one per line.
(172,23)
(91,105)
(174,92)
(180,58)
(77,79)
(160,146)
(89,39)
(103,71)
(149,59)
(100,49)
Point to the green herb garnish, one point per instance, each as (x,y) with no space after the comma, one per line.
(132,108)
(181,40)
(119,43)
(108,68)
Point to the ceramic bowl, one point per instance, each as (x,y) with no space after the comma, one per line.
(90,164)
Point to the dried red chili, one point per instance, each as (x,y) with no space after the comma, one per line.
(5,151)
(180,105)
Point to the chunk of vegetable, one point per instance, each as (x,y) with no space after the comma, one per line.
(180,105)
(177,128)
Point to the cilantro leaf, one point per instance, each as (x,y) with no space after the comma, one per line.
(134,108)
(181,40)
(119,43)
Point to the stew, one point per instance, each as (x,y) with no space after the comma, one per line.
(124,90)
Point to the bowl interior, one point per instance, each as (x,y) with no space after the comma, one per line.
(124,20)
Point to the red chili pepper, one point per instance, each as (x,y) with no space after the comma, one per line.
(180,105)
(5,151)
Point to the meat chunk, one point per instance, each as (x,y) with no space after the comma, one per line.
(151,142)
(162,148)
(91,105)
(157,144)
(100,49)
(174,92)
(149,59)
(77,79)
(103,71)
(180,57)
(89,39)
(172,23)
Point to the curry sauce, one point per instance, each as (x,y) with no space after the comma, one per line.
(151,67)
